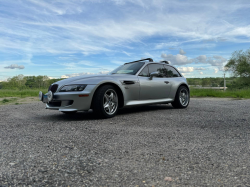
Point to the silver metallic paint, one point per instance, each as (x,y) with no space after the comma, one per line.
(143,91)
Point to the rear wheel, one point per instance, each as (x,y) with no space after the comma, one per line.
(105,102)
(182,98)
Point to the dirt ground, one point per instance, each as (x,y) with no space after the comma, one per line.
(18,100)
(206,144)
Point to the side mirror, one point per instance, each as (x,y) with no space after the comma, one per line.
(153,74)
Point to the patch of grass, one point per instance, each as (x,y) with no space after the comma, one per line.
(5,101)
(16,103)
(21,93)
(239,93)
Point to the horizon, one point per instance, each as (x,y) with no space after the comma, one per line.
(62,39)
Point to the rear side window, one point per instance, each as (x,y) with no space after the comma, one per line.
(156,68)
(144,72)
(171,72)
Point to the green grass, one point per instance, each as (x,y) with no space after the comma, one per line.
(22,93)
(6,101)
(243,93)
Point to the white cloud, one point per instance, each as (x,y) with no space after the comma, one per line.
(126,53)
(182,52)
(148,55)
(186,69)
(14,66)
(216,70)
(64,76)
(215,60)
(201,68)
(49,28)
(179,59)
(176,59)
(201,59)
(201,73)
(48,33)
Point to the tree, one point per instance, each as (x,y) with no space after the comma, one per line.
(239,64)
(206,82)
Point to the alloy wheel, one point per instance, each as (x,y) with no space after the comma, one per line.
(110,102)
(184,97)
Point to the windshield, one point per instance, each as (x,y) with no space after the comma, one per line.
(130,69)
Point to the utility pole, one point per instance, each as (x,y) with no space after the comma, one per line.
(224,81)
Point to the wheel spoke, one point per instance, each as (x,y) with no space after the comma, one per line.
(111,97)
(106,97)
(113,105)
(184,97)
(106,104)
(110,108)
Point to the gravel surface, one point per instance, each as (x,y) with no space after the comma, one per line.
(206,144)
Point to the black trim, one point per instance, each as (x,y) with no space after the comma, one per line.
(164,61)
(149,59)
(128,82)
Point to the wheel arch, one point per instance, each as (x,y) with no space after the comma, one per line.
(182,84)
(185,86)
(119,92)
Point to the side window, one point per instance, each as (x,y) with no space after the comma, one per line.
(156,67)
(172,72)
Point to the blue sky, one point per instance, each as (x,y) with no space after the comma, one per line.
(64,38)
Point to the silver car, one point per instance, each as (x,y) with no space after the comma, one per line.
(140,82)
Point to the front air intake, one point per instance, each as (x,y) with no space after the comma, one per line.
(53,87)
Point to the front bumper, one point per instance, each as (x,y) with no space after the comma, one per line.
(71,101)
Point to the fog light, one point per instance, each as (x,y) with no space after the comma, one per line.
(41,96)
(50,96)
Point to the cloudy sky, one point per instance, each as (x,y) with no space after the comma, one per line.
(62,38)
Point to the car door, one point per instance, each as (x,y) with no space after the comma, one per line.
(157,88)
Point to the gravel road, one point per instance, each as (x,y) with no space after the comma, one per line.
(206,144)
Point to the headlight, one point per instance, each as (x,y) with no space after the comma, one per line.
(73,88)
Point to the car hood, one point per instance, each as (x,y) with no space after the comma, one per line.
(73,79)
(95,79)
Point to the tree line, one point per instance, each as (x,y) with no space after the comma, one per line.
(27,82)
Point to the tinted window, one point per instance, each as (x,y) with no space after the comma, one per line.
(155,68)
(144,72)
(171,72)
(131,68)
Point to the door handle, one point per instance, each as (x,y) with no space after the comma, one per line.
(166,82)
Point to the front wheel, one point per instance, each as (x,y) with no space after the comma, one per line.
(182,98)
(105,102)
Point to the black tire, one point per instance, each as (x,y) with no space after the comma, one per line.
(69,112)
(178,101)
(102,99)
